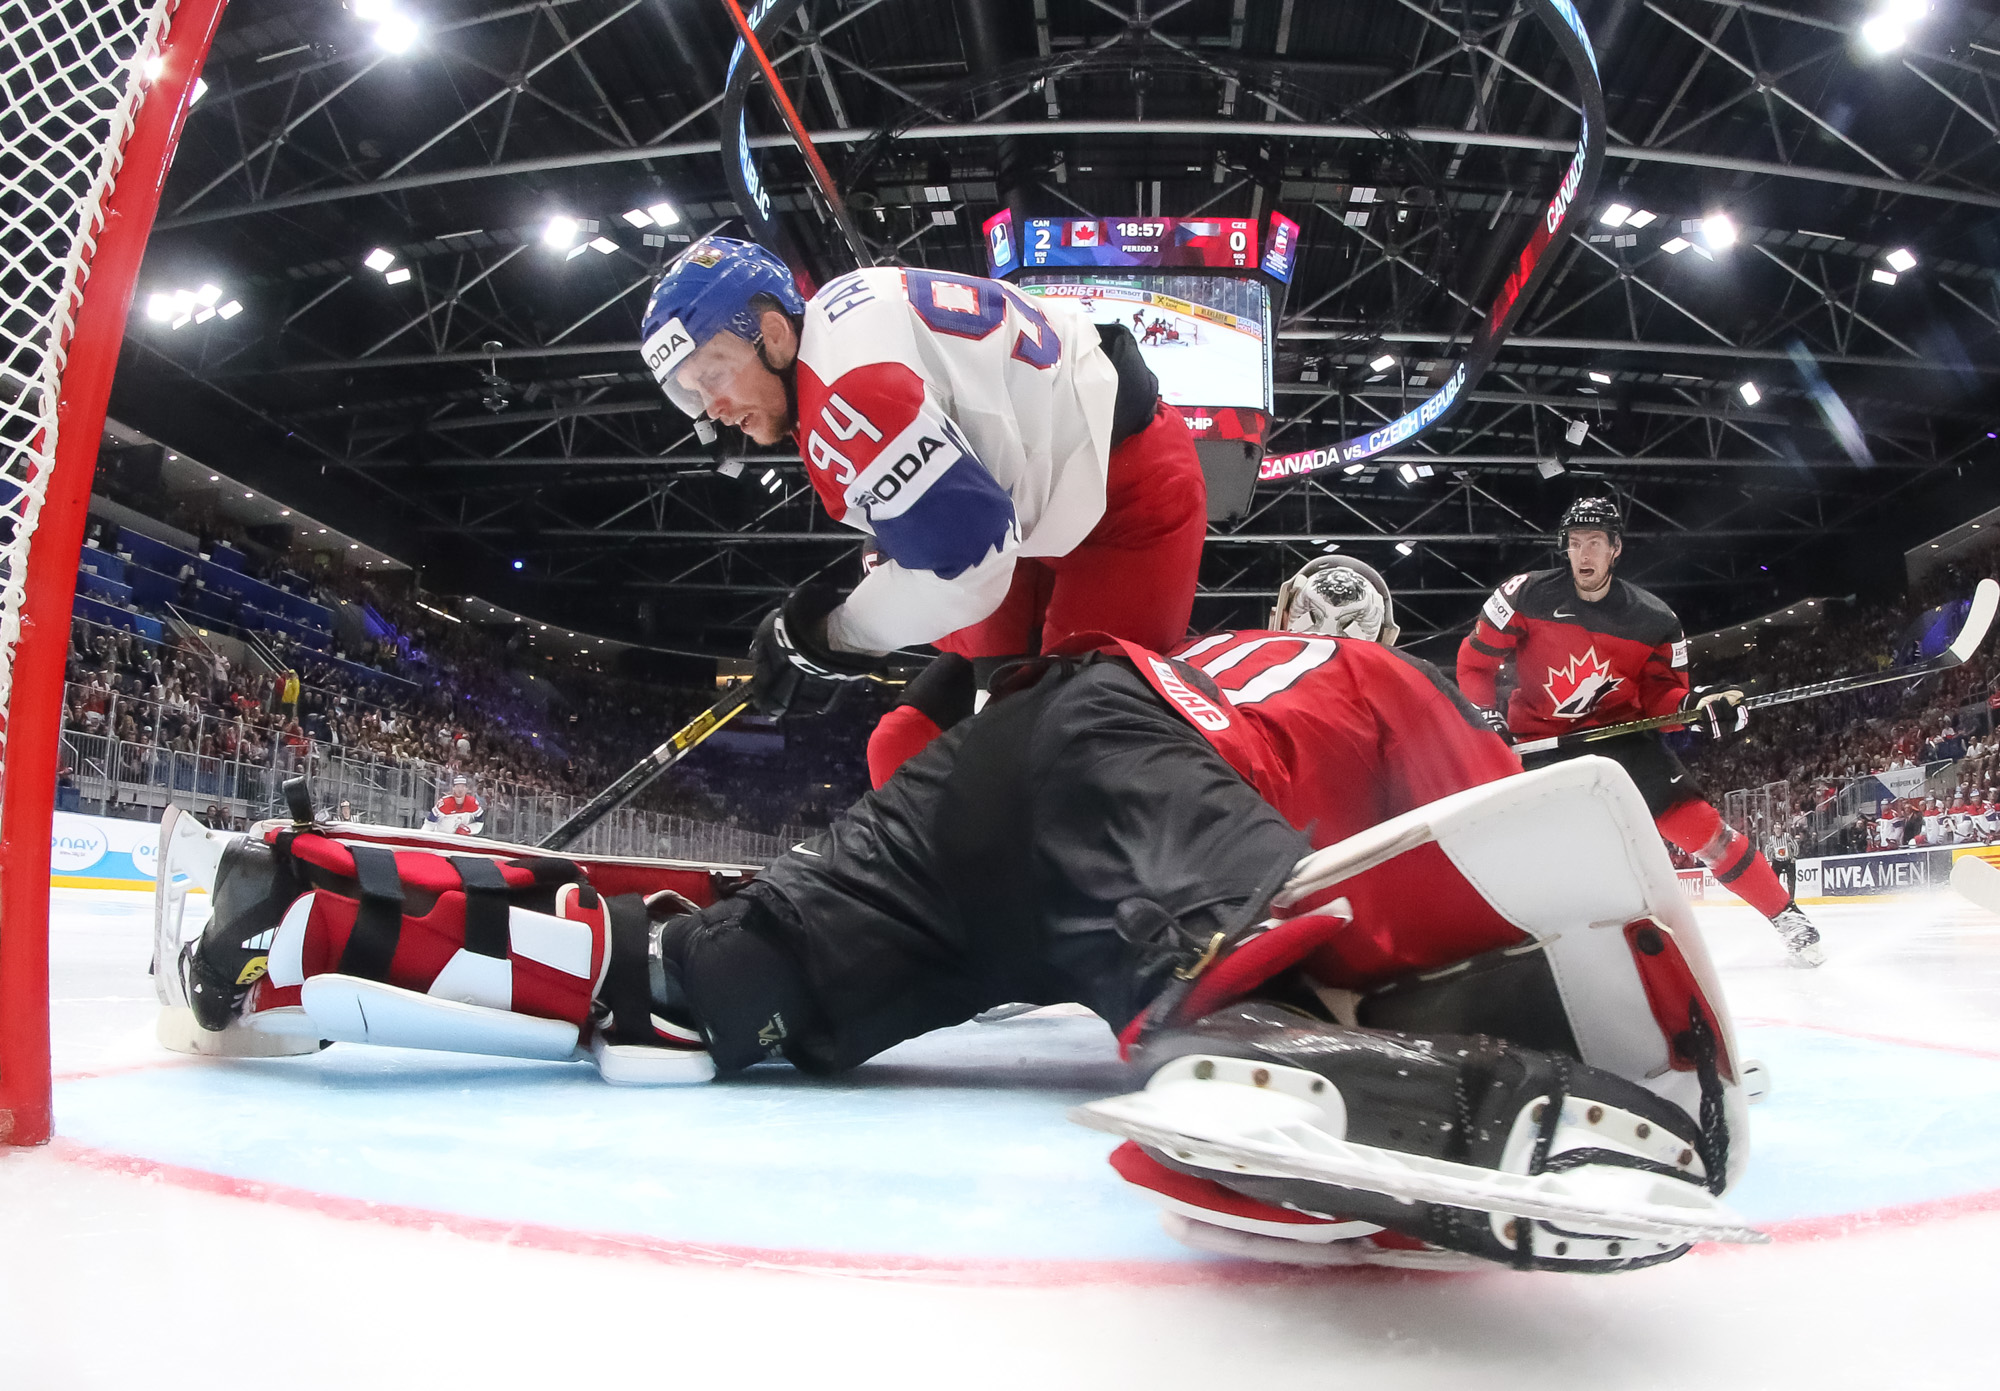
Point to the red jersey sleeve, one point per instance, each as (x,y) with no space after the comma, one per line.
(1664,683)
(1494,635)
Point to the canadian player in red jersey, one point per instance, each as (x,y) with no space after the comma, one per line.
(1590,649)
(1020,476)
(1115,830)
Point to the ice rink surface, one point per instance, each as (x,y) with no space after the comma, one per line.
(384,1218)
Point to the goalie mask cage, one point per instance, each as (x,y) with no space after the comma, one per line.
(93,94)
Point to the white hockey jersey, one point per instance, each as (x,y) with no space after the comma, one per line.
(961,423)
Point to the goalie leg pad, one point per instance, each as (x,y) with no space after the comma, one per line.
(1442,1104)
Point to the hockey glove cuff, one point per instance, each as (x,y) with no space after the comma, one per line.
(790,649)
(1497,722)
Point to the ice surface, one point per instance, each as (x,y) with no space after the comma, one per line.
(413,1218)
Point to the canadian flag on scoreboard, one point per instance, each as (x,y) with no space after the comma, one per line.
(1083,234)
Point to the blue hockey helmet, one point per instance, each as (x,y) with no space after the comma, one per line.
(705,292)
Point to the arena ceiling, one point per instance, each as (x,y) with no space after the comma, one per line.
(379,407)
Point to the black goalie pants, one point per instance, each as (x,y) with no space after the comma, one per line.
(1063,845)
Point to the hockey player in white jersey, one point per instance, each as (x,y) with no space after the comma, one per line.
(1023,481)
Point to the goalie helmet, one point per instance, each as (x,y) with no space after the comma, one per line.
(1338,596)
(1591,514)
(705,293)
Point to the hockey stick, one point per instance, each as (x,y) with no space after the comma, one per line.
(744,183)
(647,770)
(1978,619)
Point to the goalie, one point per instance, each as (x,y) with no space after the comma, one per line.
(1465,1057)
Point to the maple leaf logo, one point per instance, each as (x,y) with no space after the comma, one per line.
(1575,690)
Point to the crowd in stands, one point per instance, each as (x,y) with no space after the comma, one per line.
(421,689)
(1817,746)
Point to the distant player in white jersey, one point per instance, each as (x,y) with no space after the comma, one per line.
(1023,481)
(1989,816)
(1937,824)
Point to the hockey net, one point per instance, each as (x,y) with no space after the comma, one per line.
(93,94)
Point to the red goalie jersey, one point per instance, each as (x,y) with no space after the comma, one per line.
(1577,665)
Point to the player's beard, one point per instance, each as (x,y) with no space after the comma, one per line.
(789,376)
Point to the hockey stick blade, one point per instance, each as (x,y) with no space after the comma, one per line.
(1977,880)
(647,770)
(1971,636)
(1597,1202)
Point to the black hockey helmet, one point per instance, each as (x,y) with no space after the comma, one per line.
(1590,514)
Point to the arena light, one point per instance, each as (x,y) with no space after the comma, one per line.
(1901,260)
(603,246)
(1405,548)
(397,276)
(1601,378)
(661,214)
(1674,246)
(1382,363)
(561,232)
(1882,277)
(1408,473)
(231,309)
(159,306)
(207,295)
(368,11)
(380,259)
(1353,469)
(1615,216)
(520,565)
(396,34)
(1884,33)
(1718,231)
(1641,218)
(1750,394)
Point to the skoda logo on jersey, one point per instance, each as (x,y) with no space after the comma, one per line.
(666,349)
(1575,690)
(907,468)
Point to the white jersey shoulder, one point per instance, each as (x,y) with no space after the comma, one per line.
(1022,379)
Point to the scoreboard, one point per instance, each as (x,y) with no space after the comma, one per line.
(1182,243)
(1196,295)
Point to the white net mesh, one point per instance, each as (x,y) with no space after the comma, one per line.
(71,78)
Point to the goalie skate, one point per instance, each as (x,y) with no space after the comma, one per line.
(1239,1116)
(188,858)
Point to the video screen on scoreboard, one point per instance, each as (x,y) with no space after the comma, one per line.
(1206,337)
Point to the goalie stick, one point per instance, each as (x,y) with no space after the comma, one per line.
(647,770)
(1978,620)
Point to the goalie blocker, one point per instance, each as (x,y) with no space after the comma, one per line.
(1429,1050)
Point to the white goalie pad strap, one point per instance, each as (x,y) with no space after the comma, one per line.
(1586,818)
(348,1009)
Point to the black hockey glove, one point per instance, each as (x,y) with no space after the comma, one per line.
(790,652)
(1497,722)
(945,690)
(1716,713)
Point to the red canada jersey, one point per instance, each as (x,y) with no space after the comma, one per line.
(1335,733)
(1577,665)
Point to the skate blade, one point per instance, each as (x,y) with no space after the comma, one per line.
(281,1033)
(1238,1129)
(1353,1251)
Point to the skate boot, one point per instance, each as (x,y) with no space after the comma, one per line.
(1801,937)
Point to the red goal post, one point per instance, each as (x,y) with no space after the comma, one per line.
(93,95)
